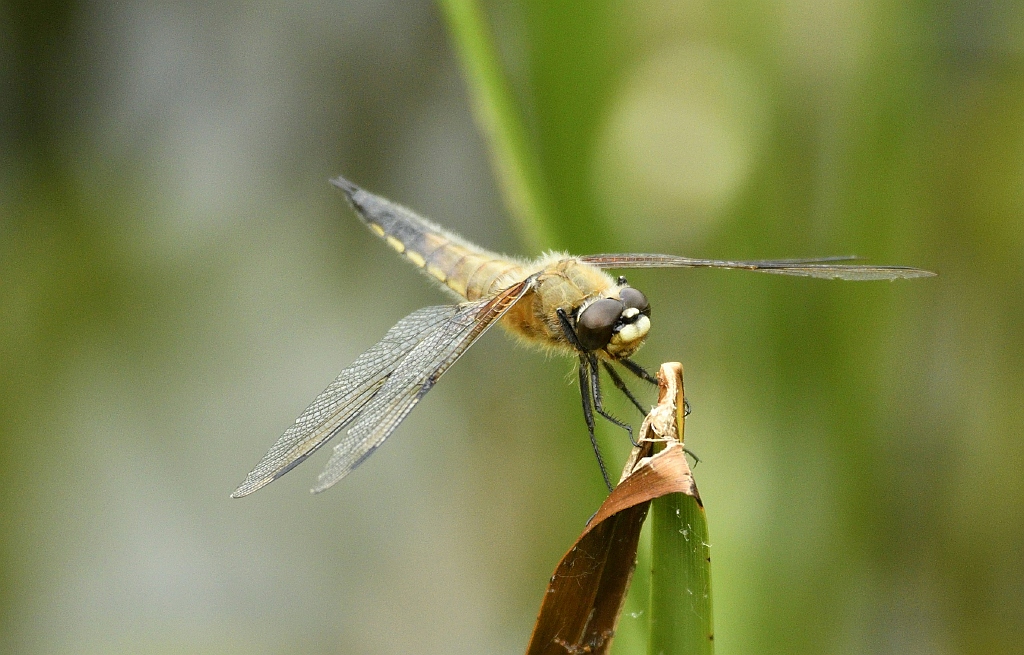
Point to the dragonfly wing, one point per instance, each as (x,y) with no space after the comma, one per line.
(341,401)
(413,378)
(819,267)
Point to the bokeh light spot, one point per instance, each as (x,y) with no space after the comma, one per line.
(678,144)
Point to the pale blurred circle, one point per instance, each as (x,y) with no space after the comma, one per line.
(678,144)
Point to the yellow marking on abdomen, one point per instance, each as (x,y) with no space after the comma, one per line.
(445,264)
(395,243)
(437,273)
(467,271)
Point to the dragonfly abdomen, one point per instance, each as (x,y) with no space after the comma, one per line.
(468,270)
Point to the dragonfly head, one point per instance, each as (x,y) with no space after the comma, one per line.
(617,325)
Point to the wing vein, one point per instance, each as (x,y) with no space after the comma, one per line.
(412,379)
(817,267)
(342,401)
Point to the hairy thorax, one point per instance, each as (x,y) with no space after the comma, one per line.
(564,283)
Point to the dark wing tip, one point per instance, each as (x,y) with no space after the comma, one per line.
(348,187)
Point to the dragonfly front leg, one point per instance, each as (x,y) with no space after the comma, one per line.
(569,331)
(595,384)
(621,386)
(587,386)
(638,370)
(588,416)
(588,361)
(642,373)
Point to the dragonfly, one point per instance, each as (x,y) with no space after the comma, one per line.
(560,302)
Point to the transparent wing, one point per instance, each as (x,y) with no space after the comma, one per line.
(412,379)
(820,267)
(342,400)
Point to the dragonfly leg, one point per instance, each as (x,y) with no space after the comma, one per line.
(588,416)
(595,385)
(621,386)
(590,388)
(642,373)
(569,331)
(638,370)
(570,334)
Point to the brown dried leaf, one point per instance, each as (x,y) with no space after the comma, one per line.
(585,595)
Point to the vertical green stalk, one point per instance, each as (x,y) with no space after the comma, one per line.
(681,616)
(515,162)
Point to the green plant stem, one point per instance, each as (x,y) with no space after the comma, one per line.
(681,616)
(514,160)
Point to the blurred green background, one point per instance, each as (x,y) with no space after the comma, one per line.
(178,281)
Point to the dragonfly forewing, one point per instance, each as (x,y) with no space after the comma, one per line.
(341,401)
(413,378)
(823,267)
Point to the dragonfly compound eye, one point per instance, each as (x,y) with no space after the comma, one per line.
(633,298)
(596,323)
